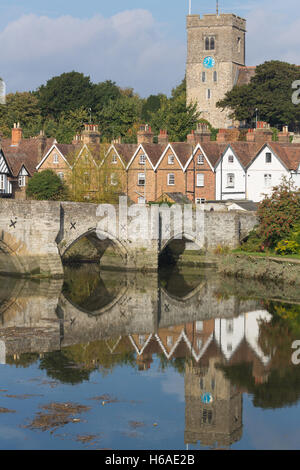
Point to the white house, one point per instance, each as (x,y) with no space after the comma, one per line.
(231,182)
(273,162)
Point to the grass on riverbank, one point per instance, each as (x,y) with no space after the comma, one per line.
(269,254)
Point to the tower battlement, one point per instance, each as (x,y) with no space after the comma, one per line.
(225,19)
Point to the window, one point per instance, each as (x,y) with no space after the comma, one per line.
(21,181)
(169,341)
(142,159)
(2,182)
(210,43)
(215,76)
(208,94)
(229,347)
(142,340)
(113,179)
(268,181)
(200,179)
(239,42)
(171,159)
(141,179)
(55,158)
(141,200)
(114,159)
(61,175)
(230,159)
(207,416)
(200,200)
(203,77)
(213,383)
(201,383)
(200,160)
(171,179)
(230,180)
(199,344)
(199,326)
(268,157)
(86,179)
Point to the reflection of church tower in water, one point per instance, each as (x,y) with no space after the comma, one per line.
(214,424)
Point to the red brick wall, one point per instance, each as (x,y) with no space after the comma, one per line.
(208,190)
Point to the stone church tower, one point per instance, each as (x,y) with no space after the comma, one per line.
(216,51)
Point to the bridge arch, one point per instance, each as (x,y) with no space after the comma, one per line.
(101,245)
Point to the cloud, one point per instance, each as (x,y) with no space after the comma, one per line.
(130,48)
(273,32)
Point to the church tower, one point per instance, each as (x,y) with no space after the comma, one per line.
(216,51)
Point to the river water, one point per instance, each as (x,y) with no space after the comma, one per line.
(180,360)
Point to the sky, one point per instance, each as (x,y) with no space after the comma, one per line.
(139,44)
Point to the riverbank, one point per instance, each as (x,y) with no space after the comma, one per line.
(249,266)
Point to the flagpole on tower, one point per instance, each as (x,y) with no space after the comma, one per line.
(190,7)
(217,7)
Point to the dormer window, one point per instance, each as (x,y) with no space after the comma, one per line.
(171,159)
(142,159)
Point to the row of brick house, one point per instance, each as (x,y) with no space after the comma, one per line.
(197,170)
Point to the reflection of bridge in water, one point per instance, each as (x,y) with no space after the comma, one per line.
(200,321)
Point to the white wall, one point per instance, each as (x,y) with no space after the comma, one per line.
(238,192)
(256,175)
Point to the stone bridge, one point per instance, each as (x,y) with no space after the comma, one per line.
(37,234)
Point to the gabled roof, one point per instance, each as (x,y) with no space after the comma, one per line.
(152,151)
(245,152)
(125,152)
(183,151)
(26,153)
(289,154)
(214,151)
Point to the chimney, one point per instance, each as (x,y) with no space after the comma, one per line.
(145,135)
(91,134)
(250,137)
(163,137)
(16,135)
(221,137)
(263,132)
(284,135)
(42,142)
(201,134)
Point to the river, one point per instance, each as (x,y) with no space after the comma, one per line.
(184,359)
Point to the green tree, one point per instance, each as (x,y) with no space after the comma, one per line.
(46,186)
(270,92)
(22,108)
(175,115)
(65,93)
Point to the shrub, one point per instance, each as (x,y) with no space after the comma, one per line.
(46,186)
(254,243)
(287,247)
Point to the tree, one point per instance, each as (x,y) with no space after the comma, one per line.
(175,115)
(270,92)
(65,93)
(279,213)
(23,108)
(46,186)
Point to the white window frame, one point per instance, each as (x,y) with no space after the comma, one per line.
(143,159)
(268,180)
(55,158)
(21,181)
(114,159)
(171,159)
(141,200)
(200,200)
(113,179)
(230,159)
(200,180)
(171,179)
(2,182)
(141,177)
(200,159)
